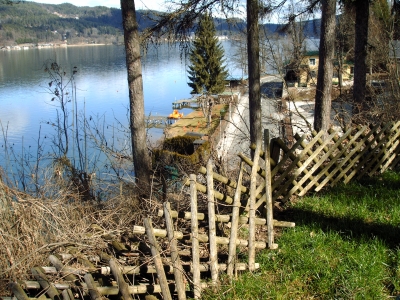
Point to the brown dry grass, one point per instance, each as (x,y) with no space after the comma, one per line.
(33,228)
(308,93)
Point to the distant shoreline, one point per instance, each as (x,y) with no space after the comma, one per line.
(49,45)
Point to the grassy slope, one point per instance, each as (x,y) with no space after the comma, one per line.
(345,246)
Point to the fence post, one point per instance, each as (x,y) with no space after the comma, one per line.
(252,210)
(93,292)
(234,224)
(268,191)
(195,237)
(211,224)
(122,285)
(157,259)
(176,262)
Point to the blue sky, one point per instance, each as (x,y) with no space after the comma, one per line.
(140,4)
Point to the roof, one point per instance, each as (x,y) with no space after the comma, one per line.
(394,49)
(311,53)
(233,77)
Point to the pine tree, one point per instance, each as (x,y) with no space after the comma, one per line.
(206,71)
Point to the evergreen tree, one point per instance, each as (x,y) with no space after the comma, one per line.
(206,71)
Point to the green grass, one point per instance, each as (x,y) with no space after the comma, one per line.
(345,246)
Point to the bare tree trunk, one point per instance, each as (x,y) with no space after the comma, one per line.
(253,49)
(360,55)
(141,157)
(322,117)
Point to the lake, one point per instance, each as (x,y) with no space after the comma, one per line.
(27,112)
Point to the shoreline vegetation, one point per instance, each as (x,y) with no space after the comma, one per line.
(27,46)
(49,45)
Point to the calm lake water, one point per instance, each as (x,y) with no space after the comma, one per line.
(26,109)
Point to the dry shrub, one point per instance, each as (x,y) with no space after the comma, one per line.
(32,228)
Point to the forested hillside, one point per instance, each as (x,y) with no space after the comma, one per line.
(30,22)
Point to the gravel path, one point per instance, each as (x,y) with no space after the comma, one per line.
(236,135)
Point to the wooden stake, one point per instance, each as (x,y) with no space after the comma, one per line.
(268,191)
(176,262)
(157,259)
(18,292)
(51,291)
(122,285)
(211,224)
(252,209)
(234,224)
(195,237)
(93,292)
(66,271)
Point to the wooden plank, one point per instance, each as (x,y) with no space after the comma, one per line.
(136,289)
(227,219)
(168,268)
(397,151)
(157,232)
(234,224)
(195,237)
(381,158)
(394,152)
(347,156)
(122,285)
(386,153)
(326,148)
(295,173)
(352,158)
(65,271)
(281,166)
(292,156)
(176,261)
(203,189)
(211,224)
(324,158)
(283,186)
(229,182)
(363,156)
(155,252)
(370,159)
(262,154)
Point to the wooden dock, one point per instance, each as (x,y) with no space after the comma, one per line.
(185,103)
(159,121)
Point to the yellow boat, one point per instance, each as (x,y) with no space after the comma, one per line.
(175,115)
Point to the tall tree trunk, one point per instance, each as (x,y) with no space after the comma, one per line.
(253,50)
(141,157)
(322,117)
(360,56)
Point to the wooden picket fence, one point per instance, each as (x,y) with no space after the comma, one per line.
(327,159)
(187,253)
(192,247)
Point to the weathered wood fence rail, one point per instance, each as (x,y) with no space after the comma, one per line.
(190,248)
(327,159)
(177,259)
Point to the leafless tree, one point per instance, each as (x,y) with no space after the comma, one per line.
(141,157)
(323,93)
(360,54)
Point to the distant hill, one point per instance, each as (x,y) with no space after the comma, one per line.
(30,22)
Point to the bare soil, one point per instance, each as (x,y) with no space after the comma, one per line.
(194,122)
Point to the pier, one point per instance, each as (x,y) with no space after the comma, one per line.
(159,121)
(185,103)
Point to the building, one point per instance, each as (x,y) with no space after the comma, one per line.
(305,73)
